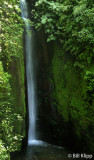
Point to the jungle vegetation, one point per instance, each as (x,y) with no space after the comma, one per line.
(11,78)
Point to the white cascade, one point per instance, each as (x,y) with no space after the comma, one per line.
(31,88)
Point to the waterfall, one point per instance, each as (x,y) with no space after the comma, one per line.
(31,88)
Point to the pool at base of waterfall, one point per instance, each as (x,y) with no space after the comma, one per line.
(39,150)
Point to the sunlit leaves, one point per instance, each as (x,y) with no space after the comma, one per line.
(66,17)
(3,151)
(11,30)
(77,10)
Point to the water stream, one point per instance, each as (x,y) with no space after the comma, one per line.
(31,84)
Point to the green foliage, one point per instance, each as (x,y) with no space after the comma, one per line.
(11,30)
(72,23)
(11,55)
(7,117)
(89,77)
(3,152)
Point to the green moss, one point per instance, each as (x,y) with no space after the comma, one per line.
(18,91)
(71,96)
(66,79)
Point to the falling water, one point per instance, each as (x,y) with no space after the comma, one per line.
(30,75)
(36,149)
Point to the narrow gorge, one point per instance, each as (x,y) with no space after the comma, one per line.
(46,80)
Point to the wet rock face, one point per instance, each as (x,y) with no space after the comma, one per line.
(48,122)
(43,107)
